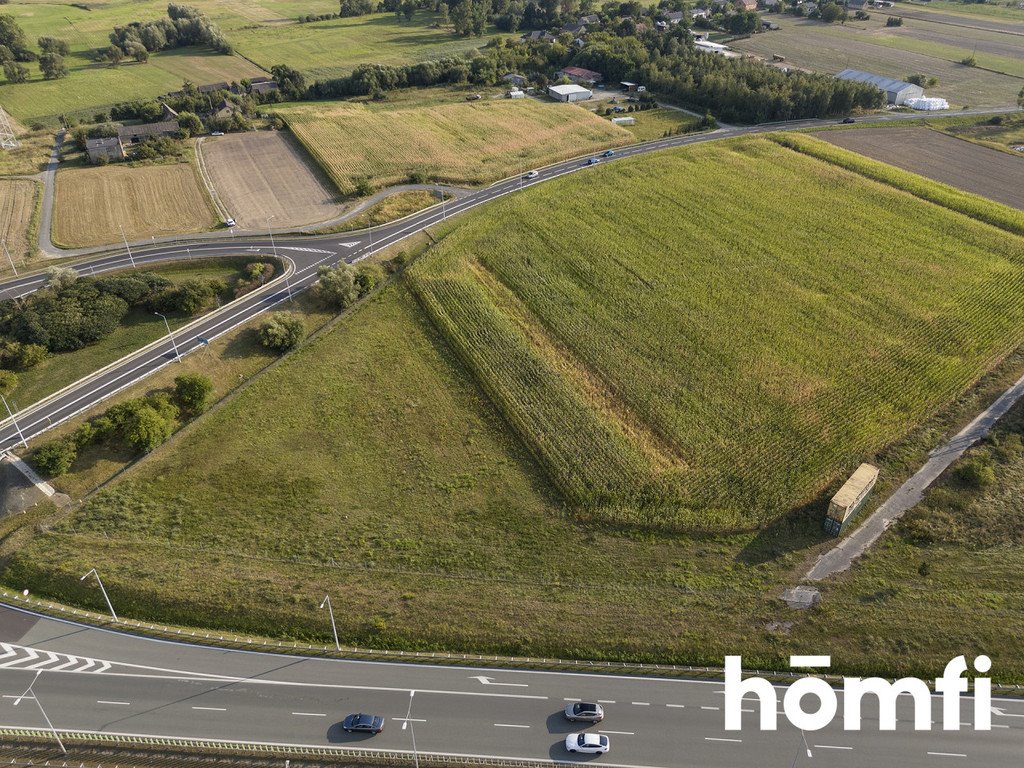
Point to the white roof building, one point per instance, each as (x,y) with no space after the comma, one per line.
(570,92)
(896,91)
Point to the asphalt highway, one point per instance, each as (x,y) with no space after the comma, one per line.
(305,254)
(97,680)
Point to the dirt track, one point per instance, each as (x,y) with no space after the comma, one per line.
(17,202)
(971,167)
(263,174)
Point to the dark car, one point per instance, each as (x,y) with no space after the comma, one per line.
(848,120)
(582,710)
(363,723)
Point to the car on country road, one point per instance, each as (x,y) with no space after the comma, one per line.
(593,161)
(608,153)
(587,743)
(361,723)
(532,174)
(582,710)
(217,133)
(229,221)
(848,121)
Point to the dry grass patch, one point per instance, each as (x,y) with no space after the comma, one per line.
(147,201)
(257,175)
(17,204)
(456,143)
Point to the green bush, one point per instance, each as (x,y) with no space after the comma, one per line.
(368,277)
(282,331)
(192,392)
(337,286)
(976,472)
(55,458)
(8,382)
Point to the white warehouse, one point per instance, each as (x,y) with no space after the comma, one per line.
(569,92)
(896,91)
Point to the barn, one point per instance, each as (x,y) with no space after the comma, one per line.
(896,91)
(569,92)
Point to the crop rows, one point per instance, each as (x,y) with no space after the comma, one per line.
(770,341)
(457,143)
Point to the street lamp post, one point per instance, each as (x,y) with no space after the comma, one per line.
(39,704)
(126,246)
(334,627)
(14,421)
(807,748)
(174,346)
(94,572)
(9,258)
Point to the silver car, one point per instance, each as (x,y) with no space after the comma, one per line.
(582,710)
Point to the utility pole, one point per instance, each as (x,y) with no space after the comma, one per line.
(127,247)
(15,422)
(174,346)
(273,246)
(334,627)
(39,704)
(94,572)
(9,258)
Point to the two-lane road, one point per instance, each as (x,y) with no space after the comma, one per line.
(94,680)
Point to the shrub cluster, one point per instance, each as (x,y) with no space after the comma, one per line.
(185,26)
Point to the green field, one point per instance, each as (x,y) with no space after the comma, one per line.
(333,48)
(444,137)
(653,123)
(407,463)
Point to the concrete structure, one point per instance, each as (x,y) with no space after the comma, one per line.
(850,498)
(624,120)
(136,134)
(569,92)
(580,75)
(896,91)
(514,93)
(107,148)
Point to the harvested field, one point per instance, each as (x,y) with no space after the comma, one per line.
(17,204)
(956,162)
(456,143)
(147,201)
(264,174)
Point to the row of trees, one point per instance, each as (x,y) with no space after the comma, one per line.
(185,27)
(14,50)
(140,424)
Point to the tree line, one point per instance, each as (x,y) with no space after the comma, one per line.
(185,27)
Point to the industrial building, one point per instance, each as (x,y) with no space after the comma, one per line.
(896,91)
(569,92)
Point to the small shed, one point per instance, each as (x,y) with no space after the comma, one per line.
(569,92)
(514,93)
(624,120)
(850,498)
(106,148)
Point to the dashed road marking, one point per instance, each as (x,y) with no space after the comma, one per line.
(829,746)
(571,699)
(676,706)
(947,754)
(309,714)
(116,703)
(212,709)
(713,709)
(509,725)
(605,701)
(618,733)
(732,741)
(640,703)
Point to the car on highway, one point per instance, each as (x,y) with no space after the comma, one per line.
(532,175)
(608,153)
(848,121)
(361,723)
(582,710)
(593,161)
(587,743)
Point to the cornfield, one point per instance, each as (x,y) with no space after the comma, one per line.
(457,143)
(769,318)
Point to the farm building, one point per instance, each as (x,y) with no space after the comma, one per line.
(514,93)
(632,87)
(896,91)
(166,113)
(136,134)
(580,75)
(745,5)
(224,110)
(515,79)
(674,17)
(708,47)
(109,149)
(575,28)
(264,86)
(624,120)
(545,37)
(569,92)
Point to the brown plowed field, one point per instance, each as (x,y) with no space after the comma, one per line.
(266,173)
(17,201)
(987,172)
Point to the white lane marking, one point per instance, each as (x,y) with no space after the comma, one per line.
(733,741)
(618,733)
(676,706)
(605,701)
(640,703)
(829,746)
(485,680)
(713,709)
(509,725)
(1004,713)
(310,714)
(116,703)
(408,719)
(349,244)
(997,725)
(947,754)
(212,709)
(571,699)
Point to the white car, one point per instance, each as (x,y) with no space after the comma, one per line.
(217,133)
(532,174)
(229,222)
(587,743)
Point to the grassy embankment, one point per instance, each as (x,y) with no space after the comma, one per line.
(456,142)
(389,476)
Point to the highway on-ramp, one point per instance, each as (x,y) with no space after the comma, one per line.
(96,680)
